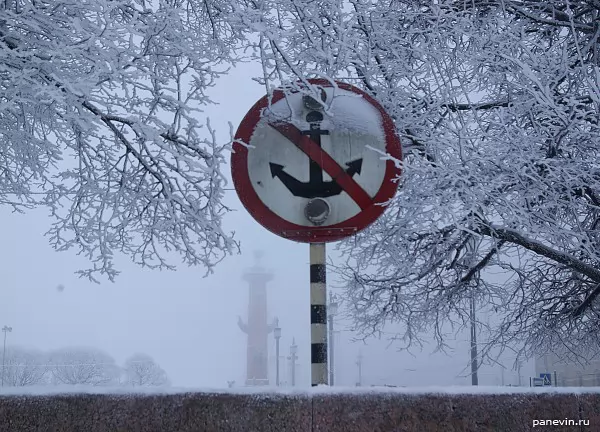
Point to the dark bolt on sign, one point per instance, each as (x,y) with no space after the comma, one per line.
(316,171)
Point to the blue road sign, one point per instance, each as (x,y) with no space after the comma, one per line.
(547,378)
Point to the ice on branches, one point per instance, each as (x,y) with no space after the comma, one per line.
(497,104)
(101,120)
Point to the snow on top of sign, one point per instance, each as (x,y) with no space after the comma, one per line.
(289,391)
(348,112)
(354,114)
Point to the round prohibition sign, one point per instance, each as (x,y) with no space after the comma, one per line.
(266,151)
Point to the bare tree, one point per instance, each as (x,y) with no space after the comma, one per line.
(86,366)
(24,367)
(497,104)
(142,370)
(101,122)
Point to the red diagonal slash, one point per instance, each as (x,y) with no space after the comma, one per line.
(326,162)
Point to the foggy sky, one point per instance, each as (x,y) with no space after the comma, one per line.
(188,323)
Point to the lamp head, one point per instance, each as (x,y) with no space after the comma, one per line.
(311,103)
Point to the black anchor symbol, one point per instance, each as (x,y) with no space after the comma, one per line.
(316,187)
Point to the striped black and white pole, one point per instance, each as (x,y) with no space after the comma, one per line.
(318,314)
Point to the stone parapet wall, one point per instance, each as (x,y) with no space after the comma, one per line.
(302,412)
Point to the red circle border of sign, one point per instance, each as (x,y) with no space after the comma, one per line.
(300,233)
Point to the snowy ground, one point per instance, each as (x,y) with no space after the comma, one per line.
(53,390)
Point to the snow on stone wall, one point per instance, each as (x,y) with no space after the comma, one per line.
(302,411)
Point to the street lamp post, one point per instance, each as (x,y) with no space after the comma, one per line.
(5,329)
(474,368)
(470,262)
(359,364)
(293,357)
(277,334)
(333,307)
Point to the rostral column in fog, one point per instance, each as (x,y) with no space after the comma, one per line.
(257,329)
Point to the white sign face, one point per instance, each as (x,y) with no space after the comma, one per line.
(351,137)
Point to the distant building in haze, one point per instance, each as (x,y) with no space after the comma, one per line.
(256,327)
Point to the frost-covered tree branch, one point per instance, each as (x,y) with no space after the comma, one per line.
(102,123)
(23,367)
(142,370)
(84,366)
(497,104)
